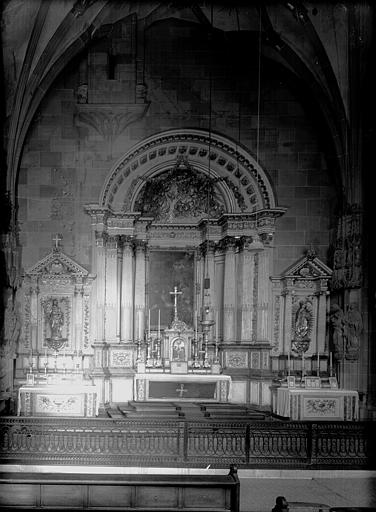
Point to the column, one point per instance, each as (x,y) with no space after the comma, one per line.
(127,290)
(139,289)
(246,298)
(77,318)
(263,295)
(229,291)
(208,277)
(111,289)
(100,288)
(119,284)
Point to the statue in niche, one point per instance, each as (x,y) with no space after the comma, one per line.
(303,320)
(178,350)
(353,326)
(337,328)
(55,317)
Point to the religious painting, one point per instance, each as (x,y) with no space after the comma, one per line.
(168,269)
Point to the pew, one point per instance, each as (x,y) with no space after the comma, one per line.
(114,492)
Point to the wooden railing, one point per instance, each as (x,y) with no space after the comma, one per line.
(187,443)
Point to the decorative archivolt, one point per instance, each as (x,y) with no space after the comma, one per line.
(240,184)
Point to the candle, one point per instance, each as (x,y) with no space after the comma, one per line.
(149,323)
(159,323)
(195,322)
(45,351)
(139,325)
(288,361)
(330,360)
(318,363)
(216,327)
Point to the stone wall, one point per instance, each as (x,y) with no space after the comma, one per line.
(190,83)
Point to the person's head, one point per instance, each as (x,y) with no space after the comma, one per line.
(281,503)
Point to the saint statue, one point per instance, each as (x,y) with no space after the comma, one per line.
(303,320)
(55,318)
(353,326)
(337,325)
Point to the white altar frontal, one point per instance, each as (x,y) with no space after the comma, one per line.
(64,398)
(316,404)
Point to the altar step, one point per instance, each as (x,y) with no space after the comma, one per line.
(181,410)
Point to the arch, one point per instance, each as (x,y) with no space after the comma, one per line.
(242,182)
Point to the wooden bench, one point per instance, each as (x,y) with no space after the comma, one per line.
(147,492)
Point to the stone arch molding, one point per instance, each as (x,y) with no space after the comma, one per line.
(243,184)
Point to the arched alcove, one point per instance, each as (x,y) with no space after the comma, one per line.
(235,175)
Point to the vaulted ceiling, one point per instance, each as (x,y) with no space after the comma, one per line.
(324,45)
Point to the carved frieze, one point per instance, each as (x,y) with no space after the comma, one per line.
(236,359)
(347,259)
(179,194)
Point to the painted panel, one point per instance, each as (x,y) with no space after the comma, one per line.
(166,270)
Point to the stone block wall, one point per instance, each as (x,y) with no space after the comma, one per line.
(191,82)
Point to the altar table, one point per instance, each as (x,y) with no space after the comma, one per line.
(63,399)
(316,404)
(186,387)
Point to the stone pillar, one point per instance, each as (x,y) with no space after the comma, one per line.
(229,291)
(246,294)
(119,284)
(199,280)
(263,295)
(127,290)
(139,290)
(100,287)
(111,289)
(208,277)
(77,318)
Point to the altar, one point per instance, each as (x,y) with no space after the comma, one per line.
(62,399)
(316,404)
(188,387)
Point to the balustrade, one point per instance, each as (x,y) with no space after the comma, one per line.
(186,443)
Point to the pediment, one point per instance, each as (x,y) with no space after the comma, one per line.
(308,267)
(57,264)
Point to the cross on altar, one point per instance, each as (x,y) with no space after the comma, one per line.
(181,390)
(175,293)
(57,238)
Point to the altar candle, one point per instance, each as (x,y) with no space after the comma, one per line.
(330,360)
(149,323)
(318,363)
(139,324)
(45,352)
(159,323)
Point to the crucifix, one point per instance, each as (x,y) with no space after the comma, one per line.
(175,293)
(57,238)
(181,390)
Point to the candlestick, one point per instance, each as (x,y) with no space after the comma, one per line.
(149,323)
(159,323)
(45,351)
(318,364)
(216,327)
(330,364)
(139,325)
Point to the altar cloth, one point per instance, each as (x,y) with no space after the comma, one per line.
(63,399)
(316,404)
(186,387)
